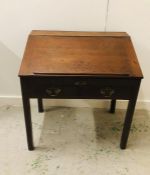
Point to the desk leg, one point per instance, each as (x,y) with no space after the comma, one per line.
(112,106)
(40,105)
(127,123)
(28,123)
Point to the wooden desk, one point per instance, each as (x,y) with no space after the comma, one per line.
(79,65)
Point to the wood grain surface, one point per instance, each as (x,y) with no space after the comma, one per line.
(80,53)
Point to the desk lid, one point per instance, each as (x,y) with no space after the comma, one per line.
(80,53)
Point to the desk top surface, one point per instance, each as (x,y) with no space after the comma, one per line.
(104,54)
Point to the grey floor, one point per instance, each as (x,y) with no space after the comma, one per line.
(73,141)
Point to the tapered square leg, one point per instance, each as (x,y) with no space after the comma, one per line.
(40,105)
(127,123)
(112,106)
(129,116)
(28,122)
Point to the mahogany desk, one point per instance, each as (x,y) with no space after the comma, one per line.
(80,65)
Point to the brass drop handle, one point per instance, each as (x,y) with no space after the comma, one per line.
(53,92)
(80,83)
(107,92)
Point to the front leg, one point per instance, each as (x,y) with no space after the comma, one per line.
(127,123)
(129,115)
(28,122)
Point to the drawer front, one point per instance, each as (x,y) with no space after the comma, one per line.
(106,92)
(81,88)
(87,92)
(53,92)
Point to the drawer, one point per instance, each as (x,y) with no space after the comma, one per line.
(53,92)
(106,92)
(78,88)
(86,92)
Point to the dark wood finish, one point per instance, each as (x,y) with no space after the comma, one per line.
(112,106)
(128,118)
(79,65)
(40,105)
(80,87)
(27,117)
